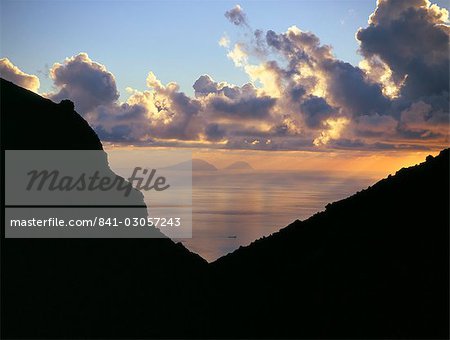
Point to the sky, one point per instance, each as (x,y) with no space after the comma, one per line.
(312,76)
(134,37)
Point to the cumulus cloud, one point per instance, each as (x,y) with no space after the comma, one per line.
(411,39)
(237,16)
(205,85)
(406,49)
(313,67)
(246,107)
(214,132)
(238,55)
(9,71)
(231,101)
(420,119)
(122,123)
(334,130)
(87,83)
(376,125)
(405,65)
(299,95)
(316,110)
(161,112)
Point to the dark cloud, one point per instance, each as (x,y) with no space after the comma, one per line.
(122,122)
(345,84)
(122,133)
(237,16)
(162,113)
(350,89)
(214,132)
(301,95)
(205,85)
(297,45)
(315,111)
(411,37)
(230,101)
(296,92)
(183,125)
(347,144)
(87,83)
(375,125)
(423,120)
(243,108)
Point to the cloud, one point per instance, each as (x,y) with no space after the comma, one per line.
(162,112)
(268,74)
(369,101)
(334,131)
(12,73)
(299,95)
(205,85)
(244,107)
(347,87)
(214,132)
(376,125)
(238,55)
(122,123)
(87,83)
(422,120)
(411,38)
(224,41)
(378,72)
(316,110)
(237,16)
(313,66)
(228,101)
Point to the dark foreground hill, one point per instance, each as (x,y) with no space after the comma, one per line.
(375,265)
(86,288)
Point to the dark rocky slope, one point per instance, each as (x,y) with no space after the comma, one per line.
(86,288)
(374,265)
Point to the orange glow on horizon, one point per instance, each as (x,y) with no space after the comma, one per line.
(376,163)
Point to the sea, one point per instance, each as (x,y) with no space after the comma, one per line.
(232,208)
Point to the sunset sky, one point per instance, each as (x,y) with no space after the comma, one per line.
(330,80)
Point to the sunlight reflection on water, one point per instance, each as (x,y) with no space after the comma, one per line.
(234,208)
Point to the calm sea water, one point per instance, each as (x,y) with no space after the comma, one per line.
(234,208)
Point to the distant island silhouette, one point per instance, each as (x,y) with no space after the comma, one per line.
(239,165)
(374,265)
(194,165)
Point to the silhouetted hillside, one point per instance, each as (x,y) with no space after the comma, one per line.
(85,288)
(34,123)
(374,265)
